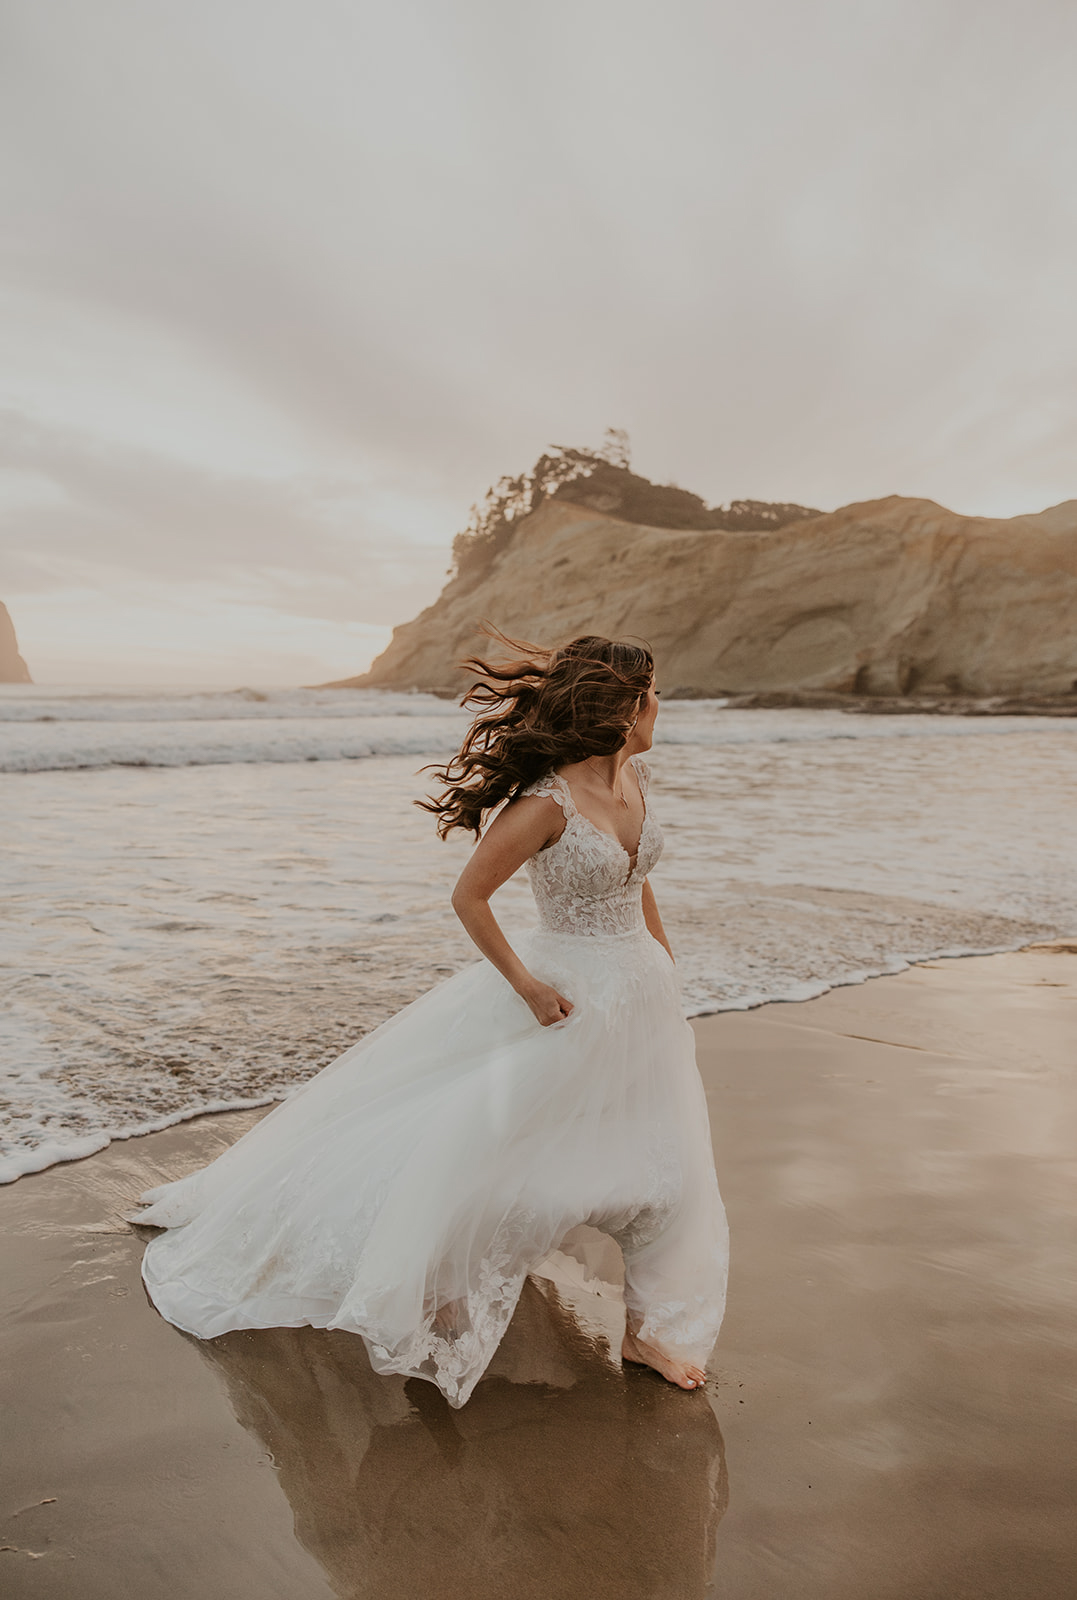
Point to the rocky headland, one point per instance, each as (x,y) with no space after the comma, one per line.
(13,668)
(890,604)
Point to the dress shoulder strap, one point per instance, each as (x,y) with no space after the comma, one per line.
(643,773)
(552,787)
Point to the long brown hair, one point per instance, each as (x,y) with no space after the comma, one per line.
(542,711)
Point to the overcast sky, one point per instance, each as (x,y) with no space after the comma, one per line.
(288,283)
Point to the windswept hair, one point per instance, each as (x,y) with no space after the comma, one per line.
(539,712)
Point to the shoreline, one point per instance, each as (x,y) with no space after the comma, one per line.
(94,1144)
(887,1406)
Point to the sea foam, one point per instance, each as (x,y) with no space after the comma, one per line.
(50,730)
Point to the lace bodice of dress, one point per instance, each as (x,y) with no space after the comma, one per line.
(586,882)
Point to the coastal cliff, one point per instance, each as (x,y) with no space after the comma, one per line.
(13,668)
(895,597)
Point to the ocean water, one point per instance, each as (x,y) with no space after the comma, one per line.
(210,895)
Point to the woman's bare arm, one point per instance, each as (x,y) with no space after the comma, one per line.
(514,836)
(653,920)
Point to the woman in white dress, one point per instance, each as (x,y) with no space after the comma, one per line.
(405,1192)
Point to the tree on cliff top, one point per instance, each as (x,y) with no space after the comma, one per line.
(494,518)
(602,480)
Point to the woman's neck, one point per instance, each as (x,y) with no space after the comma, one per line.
(609,768)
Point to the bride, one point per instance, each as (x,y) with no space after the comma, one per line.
(405,1192)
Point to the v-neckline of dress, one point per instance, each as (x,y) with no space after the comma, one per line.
(631,856)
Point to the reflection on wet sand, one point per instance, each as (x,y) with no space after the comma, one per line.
(896,1395)
(561,1477)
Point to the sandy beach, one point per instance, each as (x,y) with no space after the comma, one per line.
(890,1412)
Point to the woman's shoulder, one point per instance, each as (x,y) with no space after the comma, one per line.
(557,786)
(551,786)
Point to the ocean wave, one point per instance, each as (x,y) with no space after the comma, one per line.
(54,731)
(158,745)
(34,703)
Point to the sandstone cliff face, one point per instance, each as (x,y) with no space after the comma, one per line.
(13,668)
(893,596)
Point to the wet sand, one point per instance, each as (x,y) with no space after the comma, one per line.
(890,1413)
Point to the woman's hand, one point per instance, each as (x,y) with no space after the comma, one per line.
(548,1006)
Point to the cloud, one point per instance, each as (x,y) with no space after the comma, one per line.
(800,252)
(113,517)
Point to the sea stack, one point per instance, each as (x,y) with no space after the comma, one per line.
(887,598)
(13,668)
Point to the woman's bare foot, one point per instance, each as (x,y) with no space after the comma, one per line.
(685,1374)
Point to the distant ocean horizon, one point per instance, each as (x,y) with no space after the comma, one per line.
(212,892)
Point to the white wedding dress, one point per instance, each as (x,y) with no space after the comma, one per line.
(405,1192)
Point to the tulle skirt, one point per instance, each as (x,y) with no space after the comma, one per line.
(405,1192)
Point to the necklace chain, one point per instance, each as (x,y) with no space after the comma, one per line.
(609,785)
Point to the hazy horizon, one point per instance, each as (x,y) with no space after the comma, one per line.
(286,289)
